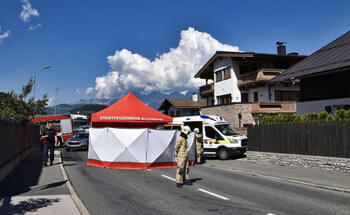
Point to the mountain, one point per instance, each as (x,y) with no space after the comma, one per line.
(153,99)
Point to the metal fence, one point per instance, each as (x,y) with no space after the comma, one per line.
(317,138)
(15,138)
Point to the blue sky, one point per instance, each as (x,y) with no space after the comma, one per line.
(76,37)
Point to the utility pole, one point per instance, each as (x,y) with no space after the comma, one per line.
(56,99)
(34,80)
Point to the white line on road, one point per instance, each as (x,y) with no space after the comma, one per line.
(214,194)
(149,170)
(170,178)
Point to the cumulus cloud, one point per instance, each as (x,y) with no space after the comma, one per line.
(33,27)
(170,71)
(50,102)
(83,92)
(27,11)
(4,35)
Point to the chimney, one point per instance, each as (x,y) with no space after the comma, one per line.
(281,48)
(195,97)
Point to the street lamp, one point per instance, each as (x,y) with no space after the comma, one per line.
(56,99)
(35,70)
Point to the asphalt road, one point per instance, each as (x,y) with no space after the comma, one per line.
(215,191)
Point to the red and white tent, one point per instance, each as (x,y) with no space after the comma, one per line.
(126,148)
(129,112)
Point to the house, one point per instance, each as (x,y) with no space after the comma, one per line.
(238,85)
(183,107)
(324,78)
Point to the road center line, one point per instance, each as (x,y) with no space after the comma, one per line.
(170,178)
(214,194)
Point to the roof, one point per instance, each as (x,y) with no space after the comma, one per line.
(183,104)
(333,56)
(204,73)
(130,109)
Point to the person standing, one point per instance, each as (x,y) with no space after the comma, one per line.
(199,140)
(181,149)
(49,134)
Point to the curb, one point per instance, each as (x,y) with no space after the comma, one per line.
(292,181)
(78,203)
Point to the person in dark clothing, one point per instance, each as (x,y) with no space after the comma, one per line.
(49,134)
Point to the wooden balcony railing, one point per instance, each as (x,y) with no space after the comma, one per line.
(206,90)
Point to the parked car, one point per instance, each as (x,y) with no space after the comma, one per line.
(80,140)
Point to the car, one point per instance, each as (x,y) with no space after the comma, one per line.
(80,140)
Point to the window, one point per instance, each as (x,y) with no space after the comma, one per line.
(218,76)
(227,73)
(177,113)
(286,95)
(194,112)
(244,97)
(225,99)
(256,96)
(212,134)
(171,113)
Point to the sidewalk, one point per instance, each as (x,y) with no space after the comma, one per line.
(34,189)
(307,176)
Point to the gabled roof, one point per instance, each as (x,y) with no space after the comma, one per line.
(130,109)
(183,104)
(333,56)
(206,71)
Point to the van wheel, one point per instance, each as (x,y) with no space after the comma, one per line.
(223,154)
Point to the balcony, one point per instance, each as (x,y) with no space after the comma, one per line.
(206,90)
(279,107)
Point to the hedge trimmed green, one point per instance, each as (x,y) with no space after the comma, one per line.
(340,115)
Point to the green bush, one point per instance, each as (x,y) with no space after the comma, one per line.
(340,115)
(310,117)
(325,117)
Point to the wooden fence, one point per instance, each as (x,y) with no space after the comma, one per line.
(317,138)
(15,138)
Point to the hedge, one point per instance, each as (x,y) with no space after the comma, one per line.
(340,115)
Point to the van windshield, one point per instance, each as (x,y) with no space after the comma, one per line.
(226,130)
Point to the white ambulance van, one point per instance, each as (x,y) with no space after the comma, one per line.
(219,139)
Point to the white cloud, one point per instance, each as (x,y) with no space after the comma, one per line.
(169,71)
(27,11)
(4,35)
(50,102)
(89,90)
(83,92)
(33,27)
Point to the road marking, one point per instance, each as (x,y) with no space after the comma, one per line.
(270,214)
(214,194)
(170,178)
(149,170)
(292,181)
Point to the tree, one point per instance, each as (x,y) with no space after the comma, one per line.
(18,107)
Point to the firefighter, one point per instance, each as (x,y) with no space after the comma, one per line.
(181,150)
(199,140)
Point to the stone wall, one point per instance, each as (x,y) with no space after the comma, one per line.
(230,113)
(300,161)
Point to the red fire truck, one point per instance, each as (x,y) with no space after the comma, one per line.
(63,124)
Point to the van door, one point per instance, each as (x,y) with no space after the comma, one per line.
(210,137)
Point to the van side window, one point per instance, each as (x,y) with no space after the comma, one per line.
(211,133)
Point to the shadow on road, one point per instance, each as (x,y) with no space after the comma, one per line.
(193,180)
(22,207)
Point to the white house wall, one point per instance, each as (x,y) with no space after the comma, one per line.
(228,86)
(319,105)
